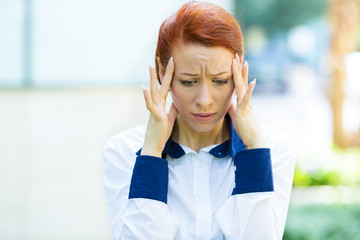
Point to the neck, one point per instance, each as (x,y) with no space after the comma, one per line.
(185,135)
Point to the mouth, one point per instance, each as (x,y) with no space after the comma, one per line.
(203,117)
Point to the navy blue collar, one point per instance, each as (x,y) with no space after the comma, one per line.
(229,147)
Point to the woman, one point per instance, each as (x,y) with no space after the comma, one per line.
(206,169)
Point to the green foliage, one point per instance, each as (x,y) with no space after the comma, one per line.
(330,222)
(278,15)
(319,177)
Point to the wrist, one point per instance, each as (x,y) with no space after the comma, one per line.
(257,144)
(151,152)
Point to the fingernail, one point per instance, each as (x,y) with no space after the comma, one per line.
(254,81)
(236,55)
(171,59)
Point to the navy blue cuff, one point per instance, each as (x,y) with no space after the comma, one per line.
(253,171)
(150,178)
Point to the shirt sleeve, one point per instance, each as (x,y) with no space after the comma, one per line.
(139,213)
(258,206)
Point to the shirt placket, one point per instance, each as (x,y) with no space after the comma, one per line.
(202,197)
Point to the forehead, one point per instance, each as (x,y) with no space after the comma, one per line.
(198,58)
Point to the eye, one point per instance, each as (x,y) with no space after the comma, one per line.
(220,81)
(188,83)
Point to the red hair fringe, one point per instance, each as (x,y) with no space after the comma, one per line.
(198,23)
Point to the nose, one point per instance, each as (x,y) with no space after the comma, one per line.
(204,96)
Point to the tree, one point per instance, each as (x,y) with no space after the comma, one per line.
(344,17)
(277,16)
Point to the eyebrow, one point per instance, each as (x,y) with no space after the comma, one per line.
(193,75)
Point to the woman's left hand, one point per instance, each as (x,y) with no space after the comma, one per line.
(241,113)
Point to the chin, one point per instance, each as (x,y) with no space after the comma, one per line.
(203,128)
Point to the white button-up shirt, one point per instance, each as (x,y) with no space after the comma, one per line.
(199,198)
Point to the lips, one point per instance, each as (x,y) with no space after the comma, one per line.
(204,116)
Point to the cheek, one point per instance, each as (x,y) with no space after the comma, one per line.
(228,96)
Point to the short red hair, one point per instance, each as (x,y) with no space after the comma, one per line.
(198,23)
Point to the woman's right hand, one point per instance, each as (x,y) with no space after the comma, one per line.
(160,123)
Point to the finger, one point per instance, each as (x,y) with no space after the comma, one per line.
(246,99)
(245,72)
(154,85)
(244,69)
(147,97)
(165,86)
(239,85)
(238,60)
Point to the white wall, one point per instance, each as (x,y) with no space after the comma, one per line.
(51,140)
(10,42)
(86,42)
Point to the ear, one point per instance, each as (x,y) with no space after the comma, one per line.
(161,69)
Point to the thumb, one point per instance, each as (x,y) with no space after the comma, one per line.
(172,114)
(232,111)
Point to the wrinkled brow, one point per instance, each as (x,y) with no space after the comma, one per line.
(194,75)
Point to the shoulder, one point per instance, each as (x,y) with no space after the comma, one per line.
(128,137)
(124,145)
(275,137)
(280,144)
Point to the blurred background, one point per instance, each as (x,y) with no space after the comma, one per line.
(71,75)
